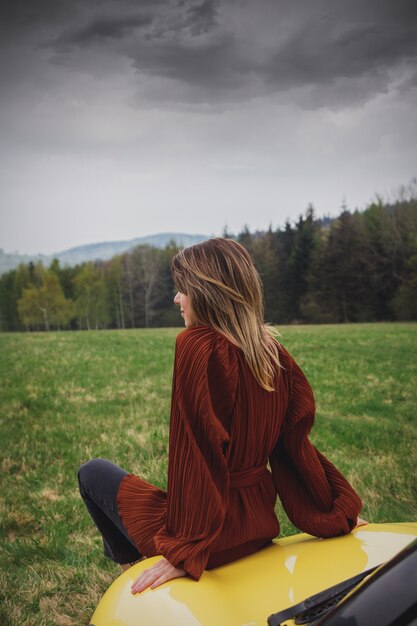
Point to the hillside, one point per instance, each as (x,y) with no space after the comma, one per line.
(97,251)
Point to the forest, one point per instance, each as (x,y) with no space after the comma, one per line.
(358,267)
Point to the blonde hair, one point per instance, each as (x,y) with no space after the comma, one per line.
(225,292)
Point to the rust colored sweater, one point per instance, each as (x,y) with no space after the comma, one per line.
(224,428)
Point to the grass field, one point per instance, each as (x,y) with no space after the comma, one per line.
(67,397)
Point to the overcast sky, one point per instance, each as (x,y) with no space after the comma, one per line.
(122,118)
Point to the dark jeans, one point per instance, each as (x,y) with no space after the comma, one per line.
(99,482)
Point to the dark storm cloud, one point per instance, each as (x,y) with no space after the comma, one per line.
(197,19)
(212,65)
(43,17)
(201,18)
(344,45)
(220,50)
(100,29)
(213,50)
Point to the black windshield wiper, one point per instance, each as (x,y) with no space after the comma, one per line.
(314,606)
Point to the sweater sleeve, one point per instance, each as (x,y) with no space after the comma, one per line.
(198,477)
(315,495)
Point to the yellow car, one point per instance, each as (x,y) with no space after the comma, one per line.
(271,586)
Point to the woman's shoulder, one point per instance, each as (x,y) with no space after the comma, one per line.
(206,361)
(204,347)
(202,337)
(286,359)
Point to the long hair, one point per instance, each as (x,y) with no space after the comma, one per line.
(226,293)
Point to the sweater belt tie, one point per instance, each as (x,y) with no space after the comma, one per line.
(247,477)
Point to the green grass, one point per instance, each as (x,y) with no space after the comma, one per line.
(67,397)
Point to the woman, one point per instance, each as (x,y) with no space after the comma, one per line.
(239,400)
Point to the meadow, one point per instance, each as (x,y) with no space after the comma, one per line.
(68,397)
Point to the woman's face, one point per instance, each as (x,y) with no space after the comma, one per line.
(187,312)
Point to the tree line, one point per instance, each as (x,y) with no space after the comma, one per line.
(358,267)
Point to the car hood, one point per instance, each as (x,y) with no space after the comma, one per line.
(247,591)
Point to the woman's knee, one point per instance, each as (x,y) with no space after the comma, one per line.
(99,473)
(90,472)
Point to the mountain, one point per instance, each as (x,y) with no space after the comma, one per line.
(97,251)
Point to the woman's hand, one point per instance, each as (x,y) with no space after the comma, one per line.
(159,573)
(360,522)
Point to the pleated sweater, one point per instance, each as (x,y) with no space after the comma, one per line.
(225,430)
